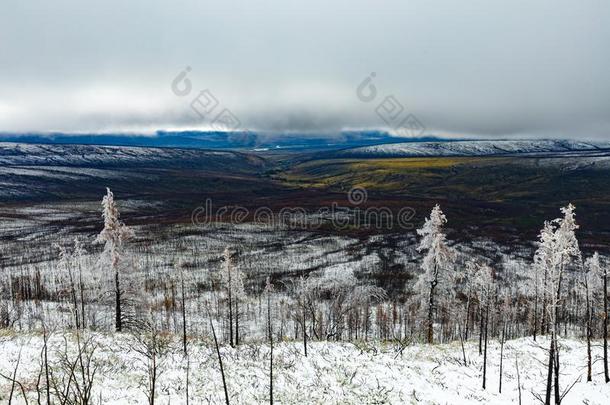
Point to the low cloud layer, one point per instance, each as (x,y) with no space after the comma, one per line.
(478,68)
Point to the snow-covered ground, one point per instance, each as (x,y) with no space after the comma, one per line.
(333,373)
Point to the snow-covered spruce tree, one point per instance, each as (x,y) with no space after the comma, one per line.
(558,249)
(113,236)
(437,277)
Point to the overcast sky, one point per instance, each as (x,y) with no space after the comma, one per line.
(489,68)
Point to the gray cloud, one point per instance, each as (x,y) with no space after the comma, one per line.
(501,68)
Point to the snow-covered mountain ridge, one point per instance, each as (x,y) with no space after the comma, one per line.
(12,154)
(477,148)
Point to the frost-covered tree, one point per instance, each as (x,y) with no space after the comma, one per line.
(436,265)
(603,272)
(180,266)
(471,286)
(152,344)
(79,257)
(598,276)
(112,259)
(558,248)
(233,281)
(67,262)
(343,294)
(543,261)
(590,279)
(304,301)
(268,292)
(486,288)
(478,282)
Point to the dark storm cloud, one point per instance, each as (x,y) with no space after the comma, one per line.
(488,68)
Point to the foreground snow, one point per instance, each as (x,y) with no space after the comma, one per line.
(332,373)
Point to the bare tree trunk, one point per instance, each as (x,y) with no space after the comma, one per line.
(13,379)
(588,304)
(229,288)
(270,347)
(462,344)
(549,377)
(481,320)
(555,333)
(222,371)
(485,352)
(153,376)
(501,356)
(304,331)
(518,377)
(467,323)
(45,338)
(118,316)
(82,295)
(607,377)
(237,322)
(188,369)
(536,309)
(183,314)
(430,334)
(556,372)
(543,319)
(74,299)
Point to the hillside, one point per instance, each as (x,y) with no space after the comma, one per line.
(21,154)
(485,187)
(476,148)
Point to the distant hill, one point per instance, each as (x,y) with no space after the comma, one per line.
(15,154)
(474,148)
(220,140)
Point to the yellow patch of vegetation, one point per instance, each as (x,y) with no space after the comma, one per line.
(384,173)
(411,163)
